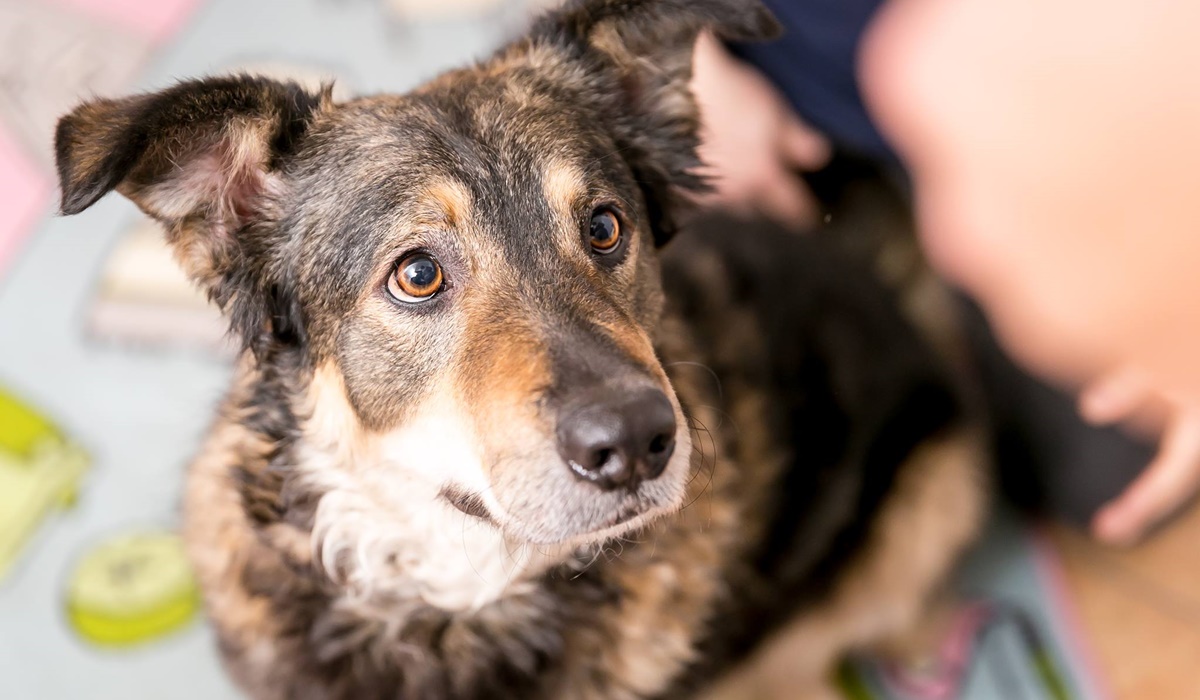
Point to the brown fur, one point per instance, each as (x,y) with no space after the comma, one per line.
(383,508)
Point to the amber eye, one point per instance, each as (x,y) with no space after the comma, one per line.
(605,231)
(417,278)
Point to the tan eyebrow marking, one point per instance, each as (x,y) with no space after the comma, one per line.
(562,186)
(451,202)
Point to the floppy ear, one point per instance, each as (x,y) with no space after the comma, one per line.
(202,158)
(647,45)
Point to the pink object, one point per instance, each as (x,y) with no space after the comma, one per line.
(946,675)
(157,20)
(26,195)
(1065,618)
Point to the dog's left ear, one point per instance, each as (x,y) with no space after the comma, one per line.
(647,46)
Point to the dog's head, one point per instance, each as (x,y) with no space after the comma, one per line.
(469,269)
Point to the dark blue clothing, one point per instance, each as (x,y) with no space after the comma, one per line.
(814,66)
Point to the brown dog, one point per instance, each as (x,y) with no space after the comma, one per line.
(485,441)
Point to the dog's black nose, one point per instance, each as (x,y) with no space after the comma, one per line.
(618,440)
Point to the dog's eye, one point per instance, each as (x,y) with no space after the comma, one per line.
(417,278)
(605,231)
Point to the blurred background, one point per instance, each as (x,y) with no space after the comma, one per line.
(110,365)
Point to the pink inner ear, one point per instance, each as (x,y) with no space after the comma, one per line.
(244,195)
(239,171)
(228,184)
(207,195)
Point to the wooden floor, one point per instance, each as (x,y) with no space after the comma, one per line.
(1140,609)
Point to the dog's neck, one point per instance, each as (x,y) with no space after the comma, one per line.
(390,537)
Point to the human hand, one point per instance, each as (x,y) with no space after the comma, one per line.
(1171,479)
(1052,146)
(752,141)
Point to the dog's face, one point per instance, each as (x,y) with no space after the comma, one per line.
(469,269)
(484,267)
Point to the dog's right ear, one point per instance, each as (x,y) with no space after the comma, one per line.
(644,49)
(201,157)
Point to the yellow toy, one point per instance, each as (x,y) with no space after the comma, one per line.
(131,589)
(39,470)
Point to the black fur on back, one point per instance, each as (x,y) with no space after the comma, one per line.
(852,387)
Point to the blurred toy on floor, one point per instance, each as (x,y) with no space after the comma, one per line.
(40,470)
(131,589)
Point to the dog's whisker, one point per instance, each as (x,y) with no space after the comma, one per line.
(701,365)
(711,470)
(467,550)
(723,415)
(517,565)
(707,487)
(707,456)
(609,154)
(588,565)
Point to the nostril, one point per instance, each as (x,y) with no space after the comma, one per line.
(661,447)
(600,458)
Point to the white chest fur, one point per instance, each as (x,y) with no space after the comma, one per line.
(395,538)
(384,531)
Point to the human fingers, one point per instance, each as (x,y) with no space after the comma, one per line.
(1113,397)
(1169,481)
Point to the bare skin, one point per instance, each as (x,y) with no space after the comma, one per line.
(753,142)
(1053,150)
